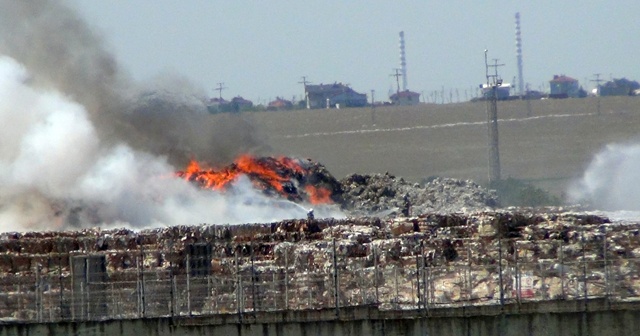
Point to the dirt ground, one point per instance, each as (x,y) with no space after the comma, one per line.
(548,143)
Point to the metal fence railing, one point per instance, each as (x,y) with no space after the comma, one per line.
(547,270)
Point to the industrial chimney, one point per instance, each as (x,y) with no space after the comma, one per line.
(519,56)
(403,62)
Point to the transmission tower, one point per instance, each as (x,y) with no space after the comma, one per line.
(403,62)
(493,83)
(521,91)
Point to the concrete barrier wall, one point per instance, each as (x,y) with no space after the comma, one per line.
(556,318)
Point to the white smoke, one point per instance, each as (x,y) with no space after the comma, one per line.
(612,179)
(56,172)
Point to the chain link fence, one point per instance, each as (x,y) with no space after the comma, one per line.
(79,288)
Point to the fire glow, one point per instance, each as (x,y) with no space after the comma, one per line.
(283,176)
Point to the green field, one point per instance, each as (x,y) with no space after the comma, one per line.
(549,149)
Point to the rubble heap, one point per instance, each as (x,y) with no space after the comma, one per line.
(384,193)
(361,195)
(453,258)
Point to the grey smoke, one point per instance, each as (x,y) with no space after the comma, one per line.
(83,145)
(168,117)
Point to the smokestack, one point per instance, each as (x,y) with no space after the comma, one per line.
(519,56)
(403,62)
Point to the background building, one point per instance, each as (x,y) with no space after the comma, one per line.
(618,87)
(333,95)
(405,98)
(280,104)
(564,87)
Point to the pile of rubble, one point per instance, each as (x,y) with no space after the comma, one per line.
(383,194)
(295,263)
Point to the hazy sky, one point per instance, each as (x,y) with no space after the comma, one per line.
(261,49)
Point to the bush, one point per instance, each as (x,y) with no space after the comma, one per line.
(512,192)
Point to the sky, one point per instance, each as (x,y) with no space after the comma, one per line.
(261,49)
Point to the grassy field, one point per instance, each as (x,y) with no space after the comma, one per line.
(548,143)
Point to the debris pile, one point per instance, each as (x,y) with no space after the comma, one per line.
(360,195)
(458,257)
(387,194)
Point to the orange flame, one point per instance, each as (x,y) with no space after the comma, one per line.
(318,195)
(266,173)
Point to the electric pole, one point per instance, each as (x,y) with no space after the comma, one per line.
(373,107)
(397,75)
(597,81)
(306,94)
(219,89)
(493,83)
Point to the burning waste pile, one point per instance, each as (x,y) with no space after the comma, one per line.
(309,182)
(292,179)
(86,145)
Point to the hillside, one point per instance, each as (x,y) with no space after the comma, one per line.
(548,149)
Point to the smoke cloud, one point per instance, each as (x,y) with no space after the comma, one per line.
(83,145)
(167,117)
(611,180)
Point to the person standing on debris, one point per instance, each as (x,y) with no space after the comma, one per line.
(406,205)
(310,215)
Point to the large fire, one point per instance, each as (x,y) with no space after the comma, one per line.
(290,178)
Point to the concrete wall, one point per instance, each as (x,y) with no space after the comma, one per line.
(551,318)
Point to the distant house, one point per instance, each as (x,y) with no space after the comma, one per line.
(240,104)
(618,87)
(564,87)
(217,105)
(333,95)
(503,91)
(405,98)
(280,104)
(236,104)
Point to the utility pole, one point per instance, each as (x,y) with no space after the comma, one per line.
(397,75)
(493,83)
(373,107)
(219,89)
(306,94)
(598,81)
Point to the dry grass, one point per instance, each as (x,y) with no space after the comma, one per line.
(549,149)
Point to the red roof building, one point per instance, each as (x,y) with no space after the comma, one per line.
(280,104)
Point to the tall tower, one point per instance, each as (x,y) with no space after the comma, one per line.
(403,62)
(519,56)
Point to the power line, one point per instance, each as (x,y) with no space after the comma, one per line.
(304,81)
